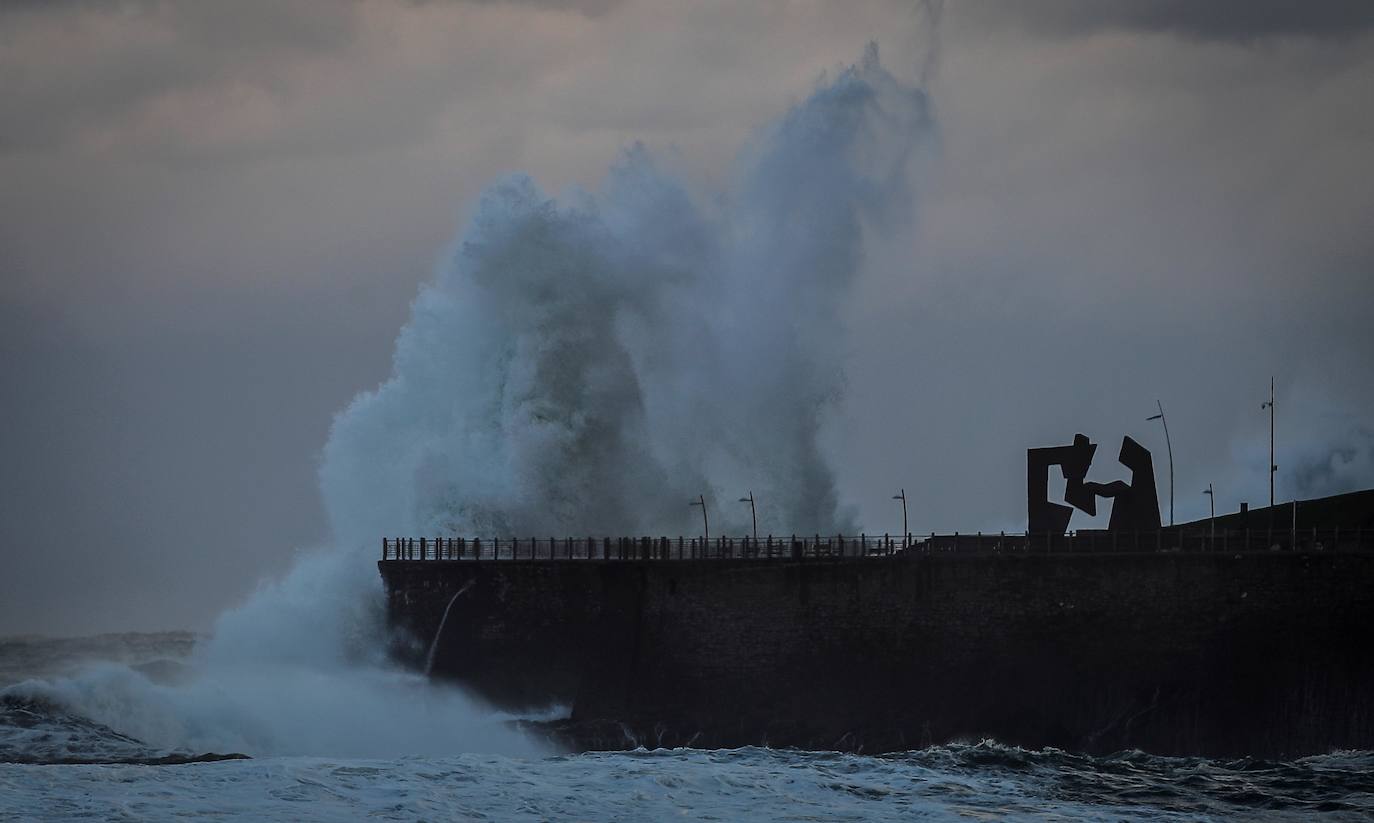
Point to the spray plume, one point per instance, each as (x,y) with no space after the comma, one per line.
(586,367)
(583,366)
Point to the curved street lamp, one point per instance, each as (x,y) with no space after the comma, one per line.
(1161,418)
(1272,467)
(1212,517)
(705,524)
(752,513)
(902,497)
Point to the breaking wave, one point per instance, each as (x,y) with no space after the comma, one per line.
(580,365)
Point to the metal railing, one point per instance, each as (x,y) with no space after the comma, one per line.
(1168,540)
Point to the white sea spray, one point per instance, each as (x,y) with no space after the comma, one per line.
(582,365)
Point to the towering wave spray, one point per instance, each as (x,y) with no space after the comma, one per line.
(588,366)
(583,366)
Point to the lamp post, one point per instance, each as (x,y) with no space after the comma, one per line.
(902,497)
(1272,466)
(705,524)
(1160,417)
(752,513)
(1212,517)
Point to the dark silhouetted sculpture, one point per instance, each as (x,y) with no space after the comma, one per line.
(1135,505)
(1073,461)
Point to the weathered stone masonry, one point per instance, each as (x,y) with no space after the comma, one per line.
(1265,653)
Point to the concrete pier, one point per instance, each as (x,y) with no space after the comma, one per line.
(1247,651)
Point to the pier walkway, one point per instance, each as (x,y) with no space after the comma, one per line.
(799,547)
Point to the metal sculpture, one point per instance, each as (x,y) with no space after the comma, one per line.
(1135,505)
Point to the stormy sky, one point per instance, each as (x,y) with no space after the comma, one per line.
(214,218)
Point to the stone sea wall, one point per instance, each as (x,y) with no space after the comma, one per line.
(1265,653)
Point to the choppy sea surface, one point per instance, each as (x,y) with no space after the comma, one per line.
(56,764)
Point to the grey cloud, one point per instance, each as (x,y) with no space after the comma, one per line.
(68,68)
(1207,19)
(590,8)
(208,82)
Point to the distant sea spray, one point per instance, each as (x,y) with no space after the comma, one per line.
(580,366)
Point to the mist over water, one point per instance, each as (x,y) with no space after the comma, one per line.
(583,365)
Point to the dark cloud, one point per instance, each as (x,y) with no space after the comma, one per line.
(591,8)
(1206,19)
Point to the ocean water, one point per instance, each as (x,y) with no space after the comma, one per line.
(984,781)
(58,764)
